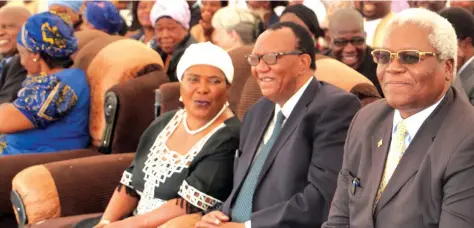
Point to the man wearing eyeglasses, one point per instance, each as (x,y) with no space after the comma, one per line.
(409,159)
(12,74)
(291,141)
(347,43)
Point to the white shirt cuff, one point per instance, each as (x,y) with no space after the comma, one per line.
(248,224)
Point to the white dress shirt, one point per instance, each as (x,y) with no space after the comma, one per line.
(286,110)
(370,27)
(412,123)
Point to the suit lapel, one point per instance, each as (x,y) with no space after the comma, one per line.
(416,151)
(257,133)
(467,71)
(291,123)
(380,144)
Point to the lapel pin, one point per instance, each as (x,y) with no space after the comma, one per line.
(379,144)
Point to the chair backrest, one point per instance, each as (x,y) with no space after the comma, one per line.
(129,111)
(86,53)
(241,73)
(88,35)
(117,62)
(250,95)
(339,74)
(366,93)
(169,99)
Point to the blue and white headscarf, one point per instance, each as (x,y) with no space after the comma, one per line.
(49,33)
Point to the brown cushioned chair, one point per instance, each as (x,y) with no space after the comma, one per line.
(135,90)
(169,97)
(342,76)
(113,65)
(131,121)
(67,188)
(241,73)
(86,36)
(250,94)
(60,200)
(129,109)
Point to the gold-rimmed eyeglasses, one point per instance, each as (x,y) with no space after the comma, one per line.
(382,56)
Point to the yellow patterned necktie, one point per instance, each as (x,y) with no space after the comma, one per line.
(393,158)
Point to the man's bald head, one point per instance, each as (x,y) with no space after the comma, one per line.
(347,36)
(20,13)
(11,20)
(347,17)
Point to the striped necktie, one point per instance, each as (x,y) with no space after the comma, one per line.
(242,209)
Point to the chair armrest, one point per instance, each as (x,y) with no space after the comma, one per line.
(129,110)
(12,164)
(66,188)
(366,93)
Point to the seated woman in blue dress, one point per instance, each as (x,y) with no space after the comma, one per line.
(51,112)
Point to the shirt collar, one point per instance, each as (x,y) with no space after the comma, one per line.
(291,103)
(414,122)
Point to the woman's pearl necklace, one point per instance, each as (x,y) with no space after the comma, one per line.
(193,132)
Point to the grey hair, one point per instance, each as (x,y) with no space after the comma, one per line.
(442,34)
(244,22)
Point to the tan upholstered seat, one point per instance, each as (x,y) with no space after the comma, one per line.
(64,188)
(129,68)
(241,73)
(86,36)
(117,62)
(339,74)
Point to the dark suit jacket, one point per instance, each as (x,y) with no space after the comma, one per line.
(432,186)
(298,179)
(465,81)
(176,56)
(368,68)
(12,76)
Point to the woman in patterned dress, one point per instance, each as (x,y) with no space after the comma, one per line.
(184,161)
(51,112)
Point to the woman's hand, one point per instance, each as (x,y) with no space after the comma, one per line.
(100,225)
(121,224)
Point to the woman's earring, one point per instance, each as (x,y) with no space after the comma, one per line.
(181,99)
(35,60)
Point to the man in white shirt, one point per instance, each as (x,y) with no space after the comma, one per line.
(463,23)
(409,159)
(291,140)
(376,14)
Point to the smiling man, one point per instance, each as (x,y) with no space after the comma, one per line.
(347,43)
(409,158)
(291,140)
(11,20)
(12,73)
